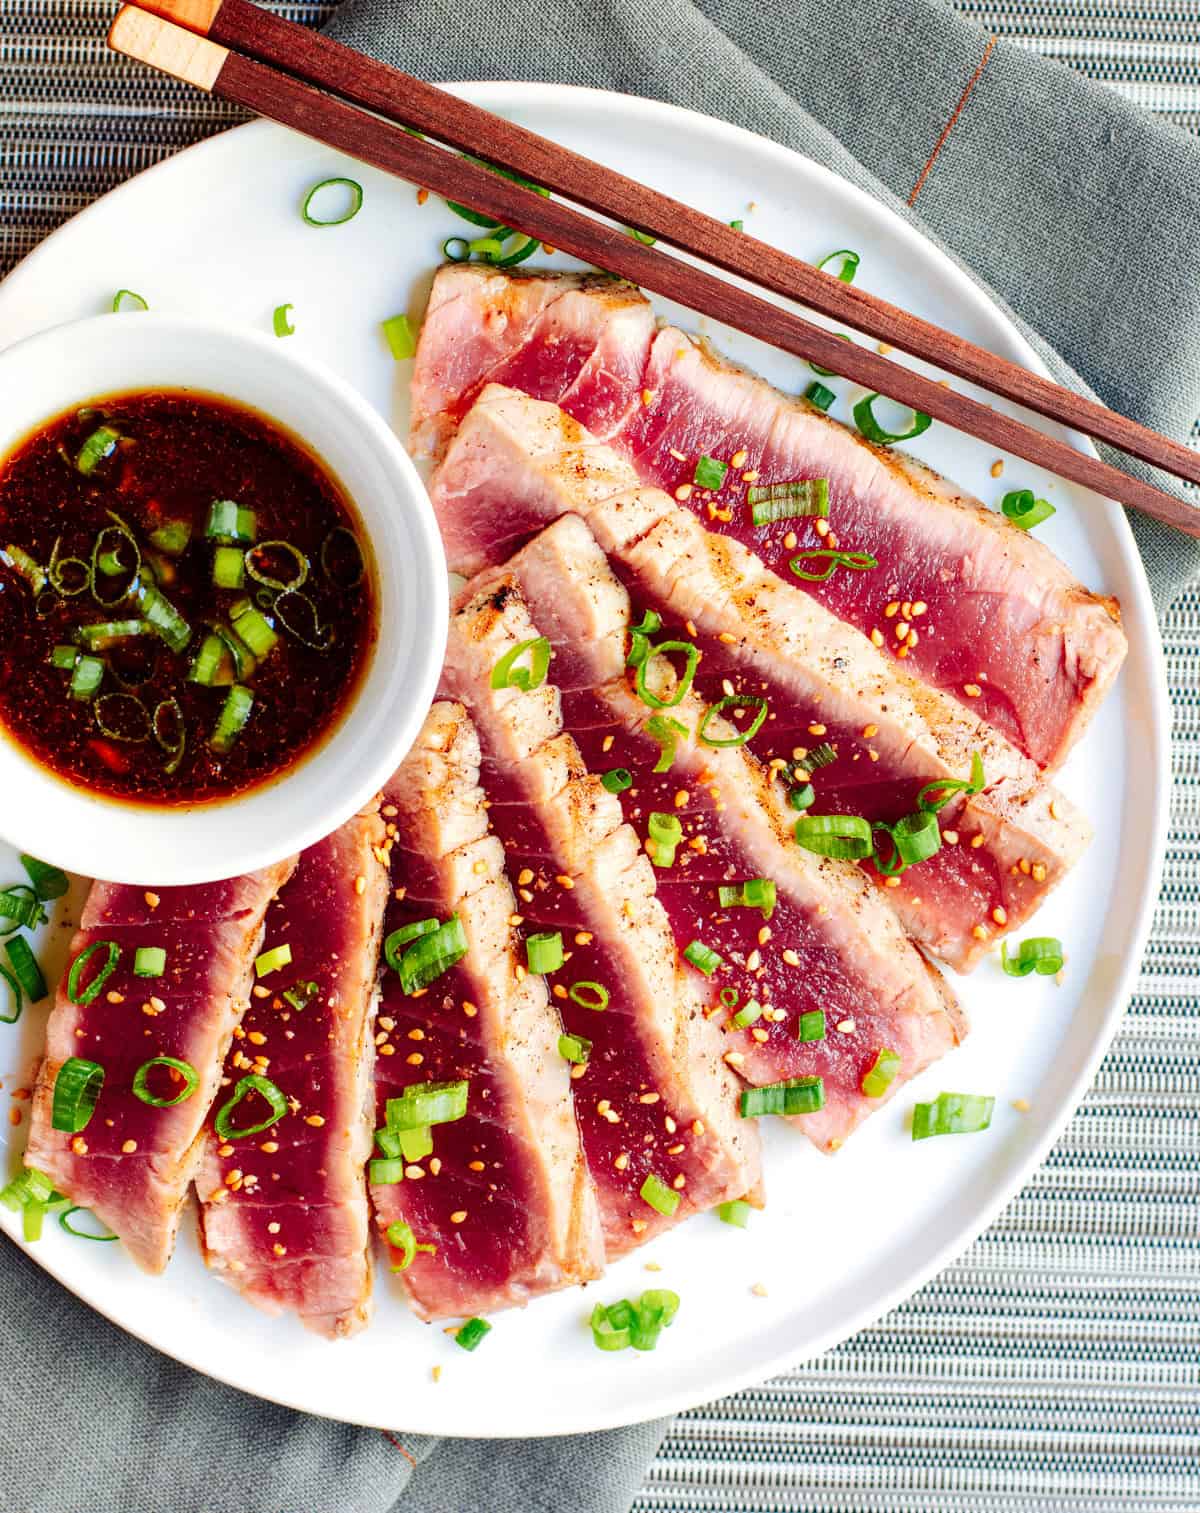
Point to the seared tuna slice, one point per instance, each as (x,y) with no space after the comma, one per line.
(654,1102)
(133,1162)
(884,734)
(283,1212)
(1004,627)
(504,1196)
(831,944)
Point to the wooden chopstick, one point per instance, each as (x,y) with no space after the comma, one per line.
(276,93)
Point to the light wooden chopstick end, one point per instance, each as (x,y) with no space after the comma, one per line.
(196,15)
(149,39)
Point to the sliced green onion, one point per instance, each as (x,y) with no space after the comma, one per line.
(127,299)
(471,1334)
(574,1048)
(172,537)
(86,677)
(206,664)
(122,717)
(223,1123)
(456,249)
(164,617)
(915,838)
(168,729)
(100,637)
(812,1025)
(356,200)
(881,1073)
(64,1220)
(525,250)
(820,756)
(841,835)
(279,320)
(229,567)
(639,638)
(691,654)
(855,562)
(48,882)
(588,995)
(28,567)
(64,657)
(848,267)
(653,1311)
(427,1103)
(28,1186)
(618,780)
(747,1015)
(737,225)
(1020,506)
(737,702)
(235,712)
(661,1198)
(252,627)
(383,1171)
(271,961)
(702,957)
(400,1237)
(817,394)
(230,523)
(432,955)
(755,893)
(544,952)
(328,565)
(76,1091)
(952,1114)
(76,992)
(149,961)
(736,1212)
(640,236)
(729,997)
(1042,954)
(388,1141)
(666,732)
(934,796)
(398,939)
(26,969)
(182,1069)
(507,674)
(864,419)
(398,333)
(22,905)
(666,832)
(99,446)
(802,797)
(607,1334)
(300,994)
(789,501)
(57,573)
(258,571)
(710,472)
(416,1143)
(14,993)
(798,1095)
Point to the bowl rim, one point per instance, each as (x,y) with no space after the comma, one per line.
(398,507)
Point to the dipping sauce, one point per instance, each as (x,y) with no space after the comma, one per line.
(187,601)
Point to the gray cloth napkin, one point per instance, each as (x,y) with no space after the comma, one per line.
(1075,209)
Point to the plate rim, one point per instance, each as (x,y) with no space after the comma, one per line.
(498,95)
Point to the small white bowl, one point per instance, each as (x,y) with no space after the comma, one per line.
(124,842)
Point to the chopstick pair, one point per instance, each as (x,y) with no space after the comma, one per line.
(317,86)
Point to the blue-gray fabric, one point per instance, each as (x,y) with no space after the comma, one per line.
(1055,1366)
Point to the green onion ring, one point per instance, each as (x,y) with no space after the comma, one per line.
(122,533)
(173,748)
(506,673)
(736,701)
(114,732)
(526,250)
(665,731)
(915,838)
(1042,954)
(26,969)
(77,1087)
(82,1234)
(56,569)
(857,562)
(14,989)
(356,201)
(141,1081)
(647,695)
(137,302)
(842,835)
(318,637)
(948,787)
(21,904)
(252,1083)
(589,995)
(849,267)
(86,995)
(1020,506)
(455,256)
(953,1114)
(864,419)
(265,578)
(280,323)
(326,558)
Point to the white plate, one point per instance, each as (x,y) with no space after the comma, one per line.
(217,232)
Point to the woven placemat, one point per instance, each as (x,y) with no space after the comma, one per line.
(1056,1367)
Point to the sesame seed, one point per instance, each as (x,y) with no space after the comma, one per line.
(415,1172)
(919,608)
(458,1216)
(681,798)
(268,1147)
(678,455)
(892,610)
(891,882)
(902,630)
(416,1033)
(386,1022)
(607,743)
(638,1226)
(469,1009)
(679,1182)
(152,900)
(583,938)
(1039,872)
(762,1036)
(649,1098)
(475,1166)
(416,1059)
(479,867)
(790,958)
(260,992)
(869,731)
(816,730)
(360,885)
(980,932)
(913,638)
(578,1070)
(883,348)
(697,1127)
(652,1266)
(112,996)
(1021,1105)
(669,1124)
(564,881)
(387,1050)
(751,476)
(621,1161)
(733,1058)
(684,491)
(976,841)
(764,935)
(876,637)
(1054,810)
(129,1146)
(754,961)
(791,541)
(972,690)
(759,1290)
(233,1176)
(647,397)
(1000,915)
(256,1037)
(997,467)
(822,527)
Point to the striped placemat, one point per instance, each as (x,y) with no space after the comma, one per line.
(1056,1367)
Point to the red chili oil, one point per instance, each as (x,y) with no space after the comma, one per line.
(173,455)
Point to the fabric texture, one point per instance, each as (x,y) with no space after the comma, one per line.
(1055,1366)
